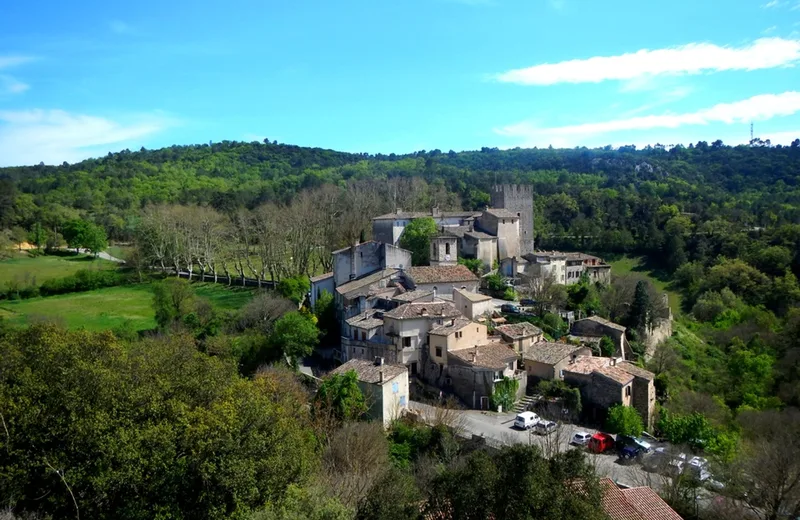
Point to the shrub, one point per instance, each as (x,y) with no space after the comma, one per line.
(83,280)
(294,288)
(624,420)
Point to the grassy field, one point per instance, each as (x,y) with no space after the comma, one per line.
(629,264)
(43,268)
(111,307)
(120,252)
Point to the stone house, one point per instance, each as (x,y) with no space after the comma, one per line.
(521,336)
(384,385)
(441,279)
(547,360)
(472,373)
(504,225)
(471,304)
(476,244)
(457,334)
(390,227)
(597,327)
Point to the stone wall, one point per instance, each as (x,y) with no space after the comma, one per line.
(517,199)
(644,400)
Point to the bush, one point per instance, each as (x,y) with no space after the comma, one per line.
(505,393)
(509,294)
(83,280)
(624,420)
(294,288)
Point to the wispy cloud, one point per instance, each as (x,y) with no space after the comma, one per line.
(769,30)
(54,136)
(772,4)
(756,108)
(694,58)
(664,97)
(120,27)
(14,60)
(11,85)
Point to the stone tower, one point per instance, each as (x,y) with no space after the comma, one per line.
(444,249)
(517,199)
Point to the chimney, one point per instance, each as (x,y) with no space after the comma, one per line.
(380,377)
(434,294)
(378,361)
(475,354)
(613,362)
(573,358)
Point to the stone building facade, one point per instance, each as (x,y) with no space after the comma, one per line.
(517,199)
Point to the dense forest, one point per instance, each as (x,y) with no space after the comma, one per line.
(719,226)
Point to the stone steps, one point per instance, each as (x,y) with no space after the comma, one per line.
(523,404)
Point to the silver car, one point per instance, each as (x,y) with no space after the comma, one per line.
(581,438)
(545,427)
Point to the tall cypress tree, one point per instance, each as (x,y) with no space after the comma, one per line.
(641,308)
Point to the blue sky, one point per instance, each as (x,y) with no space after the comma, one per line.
(79,79)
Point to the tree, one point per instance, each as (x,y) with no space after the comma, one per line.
(37,235)
(340,396)
(295,336)
(18,236)
(548,294)
(624,420)
(173,299)
(607,347)
(417,239)
(6,246)
(294,288)
(325,312)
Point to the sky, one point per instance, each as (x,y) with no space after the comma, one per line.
(80,79)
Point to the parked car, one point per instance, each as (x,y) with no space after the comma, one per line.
(526,420)
(527,302)
(545,427)
(601,442)
(637,442)
(581,438)
(509,308)
(630,453)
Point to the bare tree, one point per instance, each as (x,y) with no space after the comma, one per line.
(546,291)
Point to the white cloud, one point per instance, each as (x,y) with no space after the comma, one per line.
(756,108)
(694,58)
(769,30)
(772,4)
(10,85)
(54,136)
(14,60)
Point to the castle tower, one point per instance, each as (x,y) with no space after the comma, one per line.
(444,249)
(517,199)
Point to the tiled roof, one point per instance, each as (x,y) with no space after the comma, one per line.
(410,296)
(398,215)
(616,374)
(369,372)
(615,504)
(423,310)
(446,330)
(632,369)
(479,235)
(649,504)
(587,364)
(501,213)
(549,353)
(441,274)
(360,287)
(605,322)
(473,296)
(321,277)
(495,356)
(365,320)
(519,330)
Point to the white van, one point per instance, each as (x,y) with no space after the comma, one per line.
(526,420)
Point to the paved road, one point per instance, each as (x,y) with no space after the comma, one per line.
(102,254)
(498,429)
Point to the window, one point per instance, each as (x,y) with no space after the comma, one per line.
(395,387)
(406,342)
(627,391)
(561,373)
(355,334)
(363,335)
(403,401)
(504,221)
(447,249)
(438,351)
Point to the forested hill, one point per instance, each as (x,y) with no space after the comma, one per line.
(753,185)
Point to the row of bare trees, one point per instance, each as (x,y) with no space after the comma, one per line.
(274,241)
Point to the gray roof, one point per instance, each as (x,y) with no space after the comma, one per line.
(361,286)
(441,274)
(519,330)
(616,374)
(634,370)
(549,353)
(410,296)
(321,277)
(446,330)
(342,250)
(458,231)
(480,235)
(604,322)
(419,214)
(501,213)
(423,310)
(369,372)
(493,355)
(365,320)
(473,296)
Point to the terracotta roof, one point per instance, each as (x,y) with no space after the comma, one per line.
(549,353)
(360,287)
(616,374)
(365,320)
(615,504)
(587,364)
(649,504)
(501,213)
(495,356)
(632,369)
(519,330)
(410,296)
(441,274)
(473,296)
(369,372)
(321,277)
(446,330)
(423,310)
(603,321)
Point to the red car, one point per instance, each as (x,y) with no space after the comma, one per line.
(601,442)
